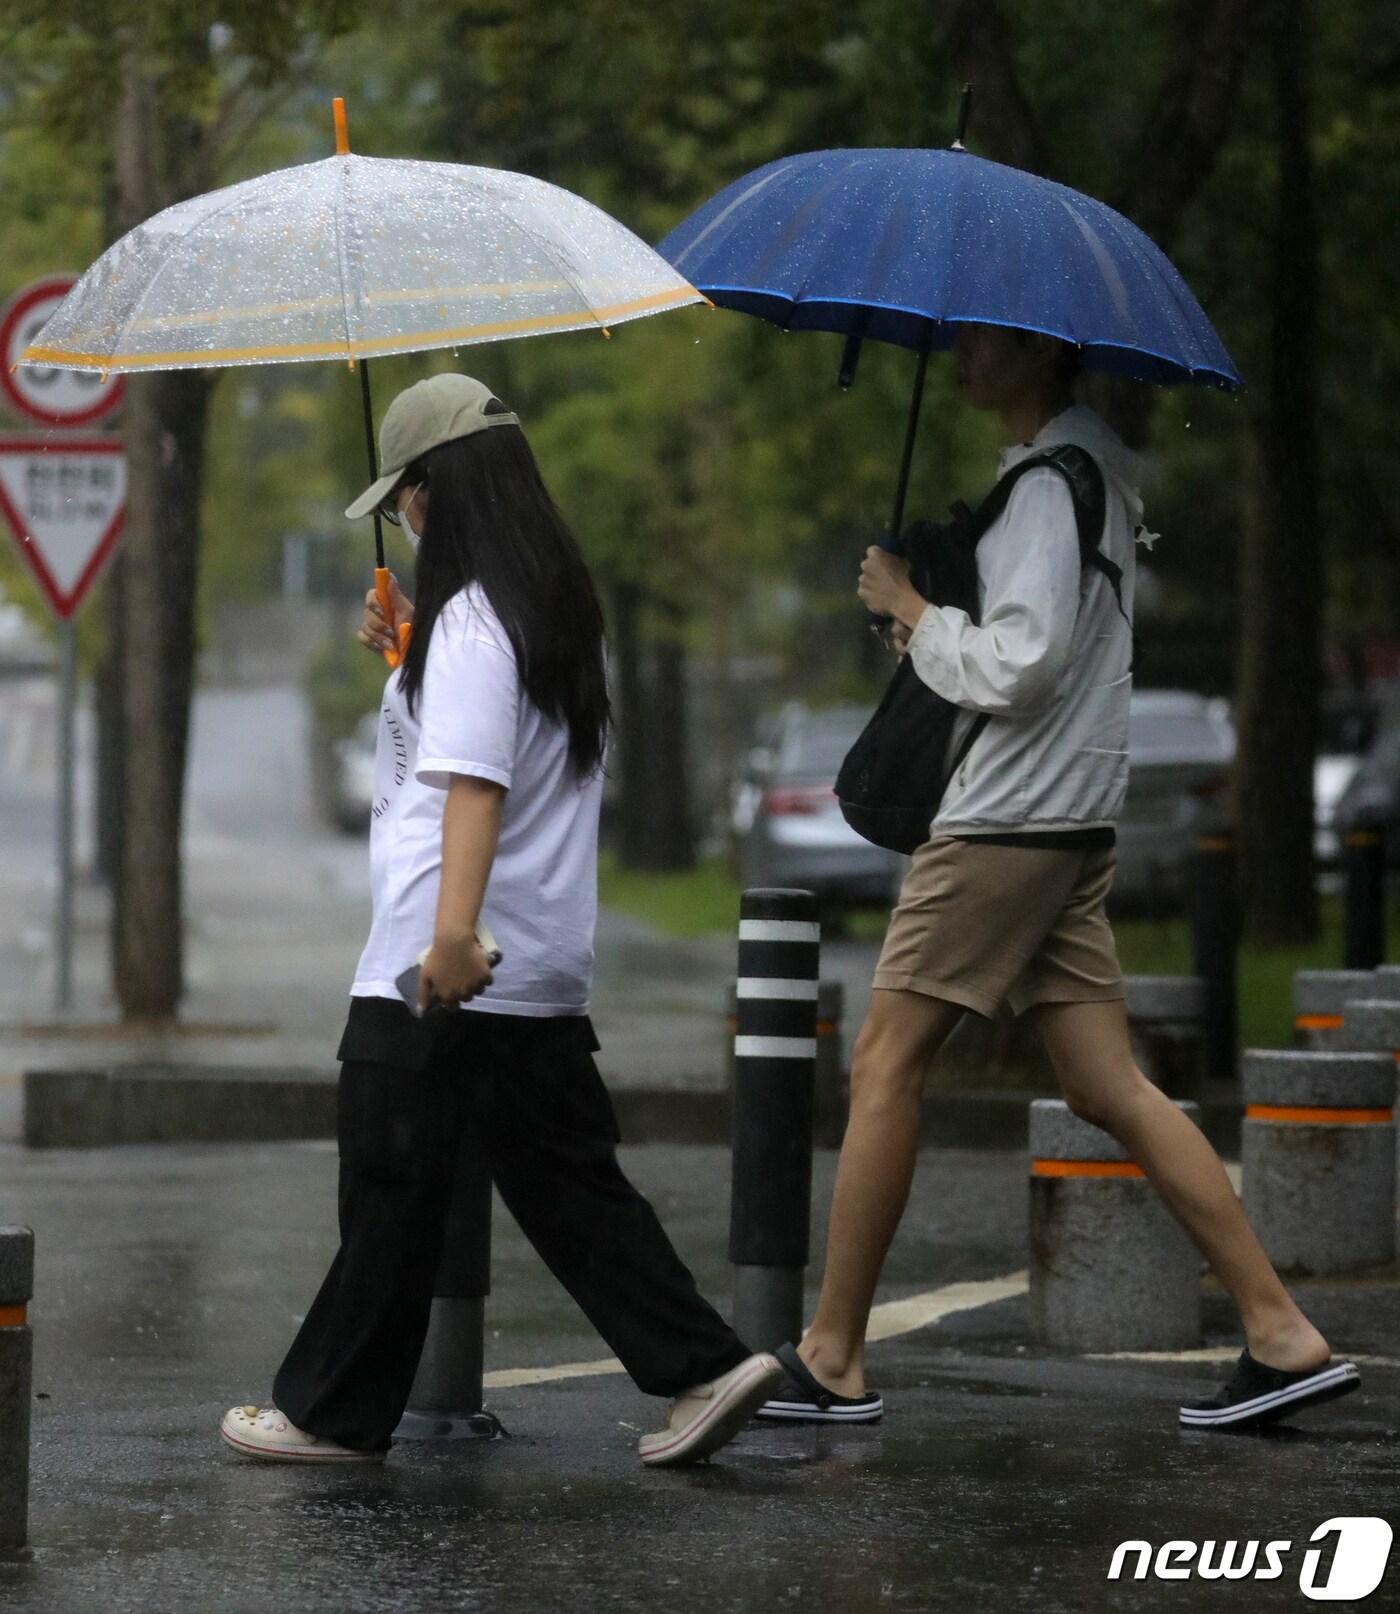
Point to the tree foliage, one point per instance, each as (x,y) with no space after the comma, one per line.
(706,460)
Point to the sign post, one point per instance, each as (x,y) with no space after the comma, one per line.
(64,502)
(63,497)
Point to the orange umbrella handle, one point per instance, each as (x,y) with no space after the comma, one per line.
(405,629)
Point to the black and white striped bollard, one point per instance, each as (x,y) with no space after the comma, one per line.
(1363,863)
(775,1056)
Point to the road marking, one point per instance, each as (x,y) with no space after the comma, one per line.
(1211,1353)
(887,1321)
(898,1317)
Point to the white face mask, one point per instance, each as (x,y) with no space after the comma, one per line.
(414,537)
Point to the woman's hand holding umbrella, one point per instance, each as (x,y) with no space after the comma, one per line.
(374,631)
(885,589)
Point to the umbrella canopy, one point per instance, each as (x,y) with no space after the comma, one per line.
(353,257)
(903,245)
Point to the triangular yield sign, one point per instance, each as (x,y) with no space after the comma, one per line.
(64,499)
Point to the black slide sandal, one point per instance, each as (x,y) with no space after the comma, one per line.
(801,1398)
(1256,1394)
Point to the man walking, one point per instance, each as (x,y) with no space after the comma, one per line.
(1005,900)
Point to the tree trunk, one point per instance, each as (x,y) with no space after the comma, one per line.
(1182,131)
(164,436)
(1281,574)
(671,841)
(633,806)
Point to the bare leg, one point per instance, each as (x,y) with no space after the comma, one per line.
(896,1045)
(1089,1047)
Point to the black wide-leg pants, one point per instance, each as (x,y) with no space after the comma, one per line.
(531,1093)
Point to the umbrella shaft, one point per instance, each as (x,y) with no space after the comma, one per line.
(373,459)
(910,432)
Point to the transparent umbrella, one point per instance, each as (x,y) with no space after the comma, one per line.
(351,258)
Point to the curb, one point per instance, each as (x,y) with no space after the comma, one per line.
(103,1106)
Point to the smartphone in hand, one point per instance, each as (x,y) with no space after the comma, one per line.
(408,982)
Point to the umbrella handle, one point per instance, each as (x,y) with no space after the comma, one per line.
(404,629)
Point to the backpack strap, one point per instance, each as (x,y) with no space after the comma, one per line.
(1086,487)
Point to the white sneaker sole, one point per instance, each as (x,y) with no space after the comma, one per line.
(720,1421)
(297,1454)
(1325,1386)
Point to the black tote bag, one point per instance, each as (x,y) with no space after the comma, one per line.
(893,778)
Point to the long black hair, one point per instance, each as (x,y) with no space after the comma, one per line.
(491,521)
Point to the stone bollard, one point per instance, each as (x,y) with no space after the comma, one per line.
(16,1365)
(1166,1021)
(1111,1268)
(831,1097)
(1371,1025)
(1385,983)
(1318,999)
(1319,1157)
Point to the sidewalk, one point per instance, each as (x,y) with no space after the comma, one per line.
(170,1280)
(277,909)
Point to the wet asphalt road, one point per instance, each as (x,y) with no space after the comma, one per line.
(170,1280)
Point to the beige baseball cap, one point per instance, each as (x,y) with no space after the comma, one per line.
(431,412)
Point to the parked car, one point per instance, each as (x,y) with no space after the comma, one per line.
(353,784)
(1180,749)
(1372,795)
(786,820)
(790,832)
(1348,729)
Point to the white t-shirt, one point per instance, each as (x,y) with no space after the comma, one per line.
(542,895)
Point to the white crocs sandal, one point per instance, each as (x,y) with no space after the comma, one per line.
(705,1417)
(265,1432)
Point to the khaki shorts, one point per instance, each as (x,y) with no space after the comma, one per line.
(979,924)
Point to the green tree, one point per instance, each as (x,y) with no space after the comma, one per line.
(188,88)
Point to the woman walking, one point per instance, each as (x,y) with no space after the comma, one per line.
(488,779)
(1005,900)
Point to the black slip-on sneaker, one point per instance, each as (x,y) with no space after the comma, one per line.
(802,1398)
(1255,1394)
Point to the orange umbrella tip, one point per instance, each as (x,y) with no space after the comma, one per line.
(342,135)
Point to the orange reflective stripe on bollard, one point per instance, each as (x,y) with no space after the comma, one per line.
(1317,1115)
(12,1316)
(1085,1168)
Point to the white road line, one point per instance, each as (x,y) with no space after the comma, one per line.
(898,1317)
(1213,1353)
(888,1321)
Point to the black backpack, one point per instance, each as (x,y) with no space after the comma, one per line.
(893,779)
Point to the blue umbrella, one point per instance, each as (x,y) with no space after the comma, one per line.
(903,246)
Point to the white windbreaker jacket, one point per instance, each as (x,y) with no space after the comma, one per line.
(1049,661)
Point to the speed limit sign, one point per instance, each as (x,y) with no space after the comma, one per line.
(53,397)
